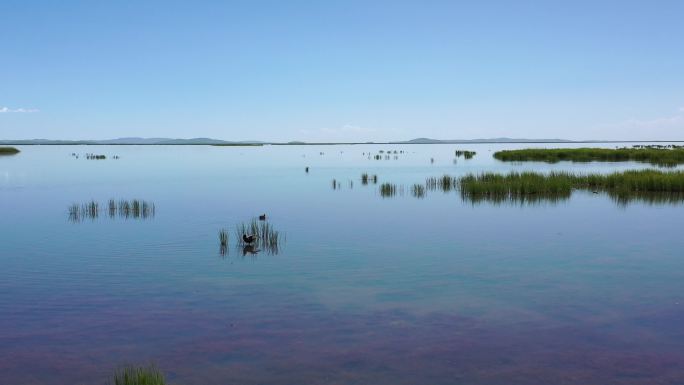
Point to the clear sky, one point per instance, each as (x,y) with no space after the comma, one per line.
(342,70)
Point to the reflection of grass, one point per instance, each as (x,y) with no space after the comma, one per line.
(8,151)
(137,375)
(652,155)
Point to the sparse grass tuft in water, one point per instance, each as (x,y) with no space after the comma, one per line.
(267,237)
(418,191)
(445,183)
(388,190)
(138,375)
(465,154)
(365,178)
(223,237)
(137,209)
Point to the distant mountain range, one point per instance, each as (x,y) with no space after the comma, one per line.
(491,140)
(130,141)
(210,141)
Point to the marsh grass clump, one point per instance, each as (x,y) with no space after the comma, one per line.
(660,156)
(445,183)
(515,186)
(137,209)
(138,375)
(267,237)
(644,185)
(388,190)
(418,191)
(111,208)
(365,179)
(90,209)
(8,151)
(223,237)
(465,154)
(634,181)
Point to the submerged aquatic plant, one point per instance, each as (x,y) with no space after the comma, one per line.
(138,375)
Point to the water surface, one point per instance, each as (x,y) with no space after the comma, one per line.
(365,290)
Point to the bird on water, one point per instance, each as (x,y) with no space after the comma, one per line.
(248,239)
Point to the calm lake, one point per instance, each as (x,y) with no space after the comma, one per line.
(363,290)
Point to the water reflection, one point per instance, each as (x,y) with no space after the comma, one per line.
(650,198)
(250,249)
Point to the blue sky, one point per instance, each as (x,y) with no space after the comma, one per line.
(342,70)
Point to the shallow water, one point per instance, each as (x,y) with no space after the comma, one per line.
(364,290)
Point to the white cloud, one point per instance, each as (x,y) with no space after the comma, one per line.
(681,109)
(662,128)
(18,110)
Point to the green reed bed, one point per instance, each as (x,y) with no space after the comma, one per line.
(635,181)
(8,151)
(561,184)
(660,156)
(138,375)
(523,187)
